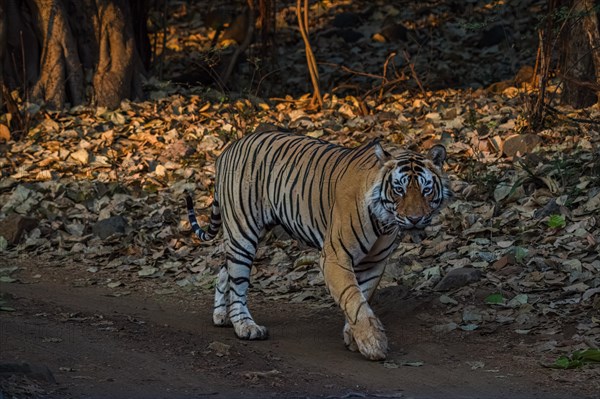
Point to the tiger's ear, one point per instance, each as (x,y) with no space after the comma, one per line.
(437,154)
(382,155)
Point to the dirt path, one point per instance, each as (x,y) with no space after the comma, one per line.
(139,346)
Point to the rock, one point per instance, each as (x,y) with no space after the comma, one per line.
(458,278)
(346,19)
(107,227)
(393,31)
(494,35)
(14,226)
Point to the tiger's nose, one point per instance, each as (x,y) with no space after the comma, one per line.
(414,219)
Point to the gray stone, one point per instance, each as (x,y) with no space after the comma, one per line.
(14,226)
(458,278)
(107,227)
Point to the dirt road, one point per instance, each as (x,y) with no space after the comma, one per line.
(149,346)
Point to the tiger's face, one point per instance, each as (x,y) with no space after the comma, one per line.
(413,187)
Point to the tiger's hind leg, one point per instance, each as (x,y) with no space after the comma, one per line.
(220,317)
(240,252)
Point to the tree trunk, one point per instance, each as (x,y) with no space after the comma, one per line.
(580,56)
(48,57)
(60,66)
(113,80)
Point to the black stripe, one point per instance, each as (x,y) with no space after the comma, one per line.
(361,282)
(359,240)
(346,250)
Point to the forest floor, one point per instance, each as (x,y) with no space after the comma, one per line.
(105,293)
(83,342)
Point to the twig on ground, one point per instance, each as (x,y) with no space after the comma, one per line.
(385,66)
(555,111)
(383,87)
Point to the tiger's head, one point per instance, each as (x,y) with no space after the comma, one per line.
(412,187)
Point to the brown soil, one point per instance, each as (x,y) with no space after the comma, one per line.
(149,346)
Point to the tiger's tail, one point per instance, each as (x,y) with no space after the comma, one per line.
(215,219)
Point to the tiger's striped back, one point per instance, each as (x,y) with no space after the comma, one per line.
(286,179)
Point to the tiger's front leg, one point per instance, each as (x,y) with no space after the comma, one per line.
(363,327)
(368,275)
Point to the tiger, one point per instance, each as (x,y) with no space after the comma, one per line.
(349,203)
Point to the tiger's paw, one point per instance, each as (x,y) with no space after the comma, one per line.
(371,339)
(248,329)
(349,339)
(220,319)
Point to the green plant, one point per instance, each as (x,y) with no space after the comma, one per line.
(556,221)
(495,299)
(577,359)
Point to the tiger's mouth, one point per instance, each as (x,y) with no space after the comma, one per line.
(412,223)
